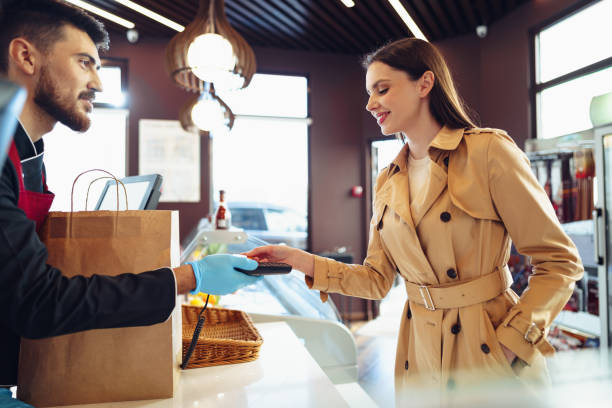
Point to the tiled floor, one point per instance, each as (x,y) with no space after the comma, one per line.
(376,344)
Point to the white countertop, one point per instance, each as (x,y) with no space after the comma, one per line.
(285,374)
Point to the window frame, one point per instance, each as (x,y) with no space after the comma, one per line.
(536,88)
(309,187)
(370,180)
(122,64)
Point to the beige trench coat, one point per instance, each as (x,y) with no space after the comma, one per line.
(481,193)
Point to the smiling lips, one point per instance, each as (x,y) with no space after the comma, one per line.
(381,116)
(89,103)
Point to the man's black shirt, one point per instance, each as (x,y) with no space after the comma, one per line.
(37,301)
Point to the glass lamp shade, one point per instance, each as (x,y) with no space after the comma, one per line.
(209,50)
(209,55)
(208,114)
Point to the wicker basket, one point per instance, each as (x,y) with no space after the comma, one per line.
(227,337)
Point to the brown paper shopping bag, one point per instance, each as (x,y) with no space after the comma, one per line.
(110,364)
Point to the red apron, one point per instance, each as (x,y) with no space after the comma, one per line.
(35,205)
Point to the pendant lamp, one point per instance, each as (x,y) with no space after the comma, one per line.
(206,113)
(210,50)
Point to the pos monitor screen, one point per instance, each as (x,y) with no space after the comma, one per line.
(142,192)
(12,98)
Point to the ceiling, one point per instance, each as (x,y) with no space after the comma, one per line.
(324,25)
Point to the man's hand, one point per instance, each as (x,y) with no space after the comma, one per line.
(215,274)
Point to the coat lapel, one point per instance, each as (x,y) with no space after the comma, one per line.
(446,139)
(396,194)
(435,187)
(396,191)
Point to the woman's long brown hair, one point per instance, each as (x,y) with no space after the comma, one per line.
(415,56)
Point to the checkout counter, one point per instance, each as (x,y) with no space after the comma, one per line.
(308,358)
(284,374)
(282,298)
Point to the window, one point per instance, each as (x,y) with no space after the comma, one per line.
(113,94)
(103,146)
(68,153)
(248,218)
(573,63)
(262,163)
(383,152)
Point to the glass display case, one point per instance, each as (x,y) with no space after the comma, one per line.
(564,166)
(284,298)
(602,216)
(277,295)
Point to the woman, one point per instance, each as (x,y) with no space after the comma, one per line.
(444,212)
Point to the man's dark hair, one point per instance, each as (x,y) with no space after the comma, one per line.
(41,22)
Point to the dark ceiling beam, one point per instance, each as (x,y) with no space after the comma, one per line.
(354,18)
(417,19)
(442,18)
(394,20)
(380,18)
(330,9)
(316,12)
(483,10)
(144,24)
(243,24)
(496,8)
(339,42)
(251,37)
(460,21)
(182,13)
(323,25)
(288,26)
(468,8)
(255,23)
(328,42)
(430,20)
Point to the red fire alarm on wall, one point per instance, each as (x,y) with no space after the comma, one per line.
(357,191)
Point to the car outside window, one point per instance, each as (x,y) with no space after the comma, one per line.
(248,218)
(285,221)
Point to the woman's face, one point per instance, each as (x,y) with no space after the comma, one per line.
(396,101)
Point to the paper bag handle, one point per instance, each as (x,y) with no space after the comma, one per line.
(117,182)
(110,176)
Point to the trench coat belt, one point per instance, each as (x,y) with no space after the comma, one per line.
(461,294)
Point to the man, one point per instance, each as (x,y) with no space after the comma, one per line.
(51,49)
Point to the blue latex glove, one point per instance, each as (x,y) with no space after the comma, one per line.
(215,274)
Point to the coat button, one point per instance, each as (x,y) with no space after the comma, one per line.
(451,273)
(456,329)
(445,216)
(409,313)
(406,365)
(446,161)
(485,349)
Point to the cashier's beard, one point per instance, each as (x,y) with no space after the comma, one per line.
(63,108)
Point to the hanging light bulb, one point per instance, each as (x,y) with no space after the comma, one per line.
(207,113)
(199,56)
(210,50)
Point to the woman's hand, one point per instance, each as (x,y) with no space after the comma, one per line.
(298,259)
